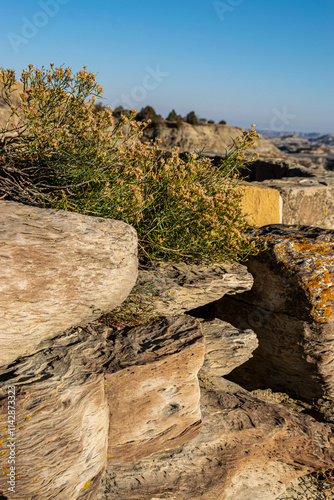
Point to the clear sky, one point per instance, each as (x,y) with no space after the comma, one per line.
(269,62)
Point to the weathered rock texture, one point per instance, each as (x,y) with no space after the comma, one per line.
(246,450)
(306,201)
(177,288)
(226,347)
(94,392)
(62,418)
(290,310)
(154,391)
(58,269)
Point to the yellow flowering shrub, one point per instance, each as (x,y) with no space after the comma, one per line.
(57,151)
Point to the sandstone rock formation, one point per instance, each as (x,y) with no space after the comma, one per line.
(211,139)
(306,201)
(59,269)
(247,450)
(94,393)
(290,310)
(175,288)
(146,407)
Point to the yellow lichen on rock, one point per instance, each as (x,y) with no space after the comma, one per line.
(309,261)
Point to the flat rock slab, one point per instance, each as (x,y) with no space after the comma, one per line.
(58,270)
(177,288)
(290,310)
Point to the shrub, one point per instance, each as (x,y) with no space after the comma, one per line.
(222,122)
(148,115)
(63,155)
(192,118)
(174,117)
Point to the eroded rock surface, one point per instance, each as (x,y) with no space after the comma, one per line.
(58,270)
(226,347)
(173,288)
(95,392)
(154,392)
(290,310)
(246,450)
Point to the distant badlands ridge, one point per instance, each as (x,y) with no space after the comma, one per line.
(214,139)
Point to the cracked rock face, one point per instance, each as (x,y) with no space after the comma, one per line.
(290,310)
(247,450)
(59,269)
(94,393)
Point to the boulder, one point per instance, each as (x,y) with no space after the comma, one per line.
(59,269)
(290,310)
(94,393)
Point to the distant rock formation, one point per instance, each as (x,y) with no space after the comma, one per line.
(209,139)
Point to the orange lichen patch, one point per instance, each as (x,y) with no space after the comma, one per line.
(2,441)
(312,264)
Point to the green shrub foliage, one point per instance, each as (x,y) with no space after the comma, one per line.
(55,151)
(192,118)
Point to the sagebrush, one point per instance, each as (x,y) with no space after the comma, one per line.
(58,151)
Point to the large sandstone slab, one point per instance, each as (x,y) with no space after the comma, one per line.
(290,310)
(93,393)
(58,269)
(247,450)
(154,393)
(306,201)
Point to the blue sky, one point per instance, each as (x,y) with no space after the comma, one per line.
(268,62)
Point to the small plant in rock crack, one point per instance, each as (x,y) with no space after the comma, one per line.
(135,310)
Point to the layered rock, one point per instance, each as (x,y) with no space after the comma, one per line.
(290,310)
(176,288)
(96,392)
(306,201)
(247,450)
(59,269)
